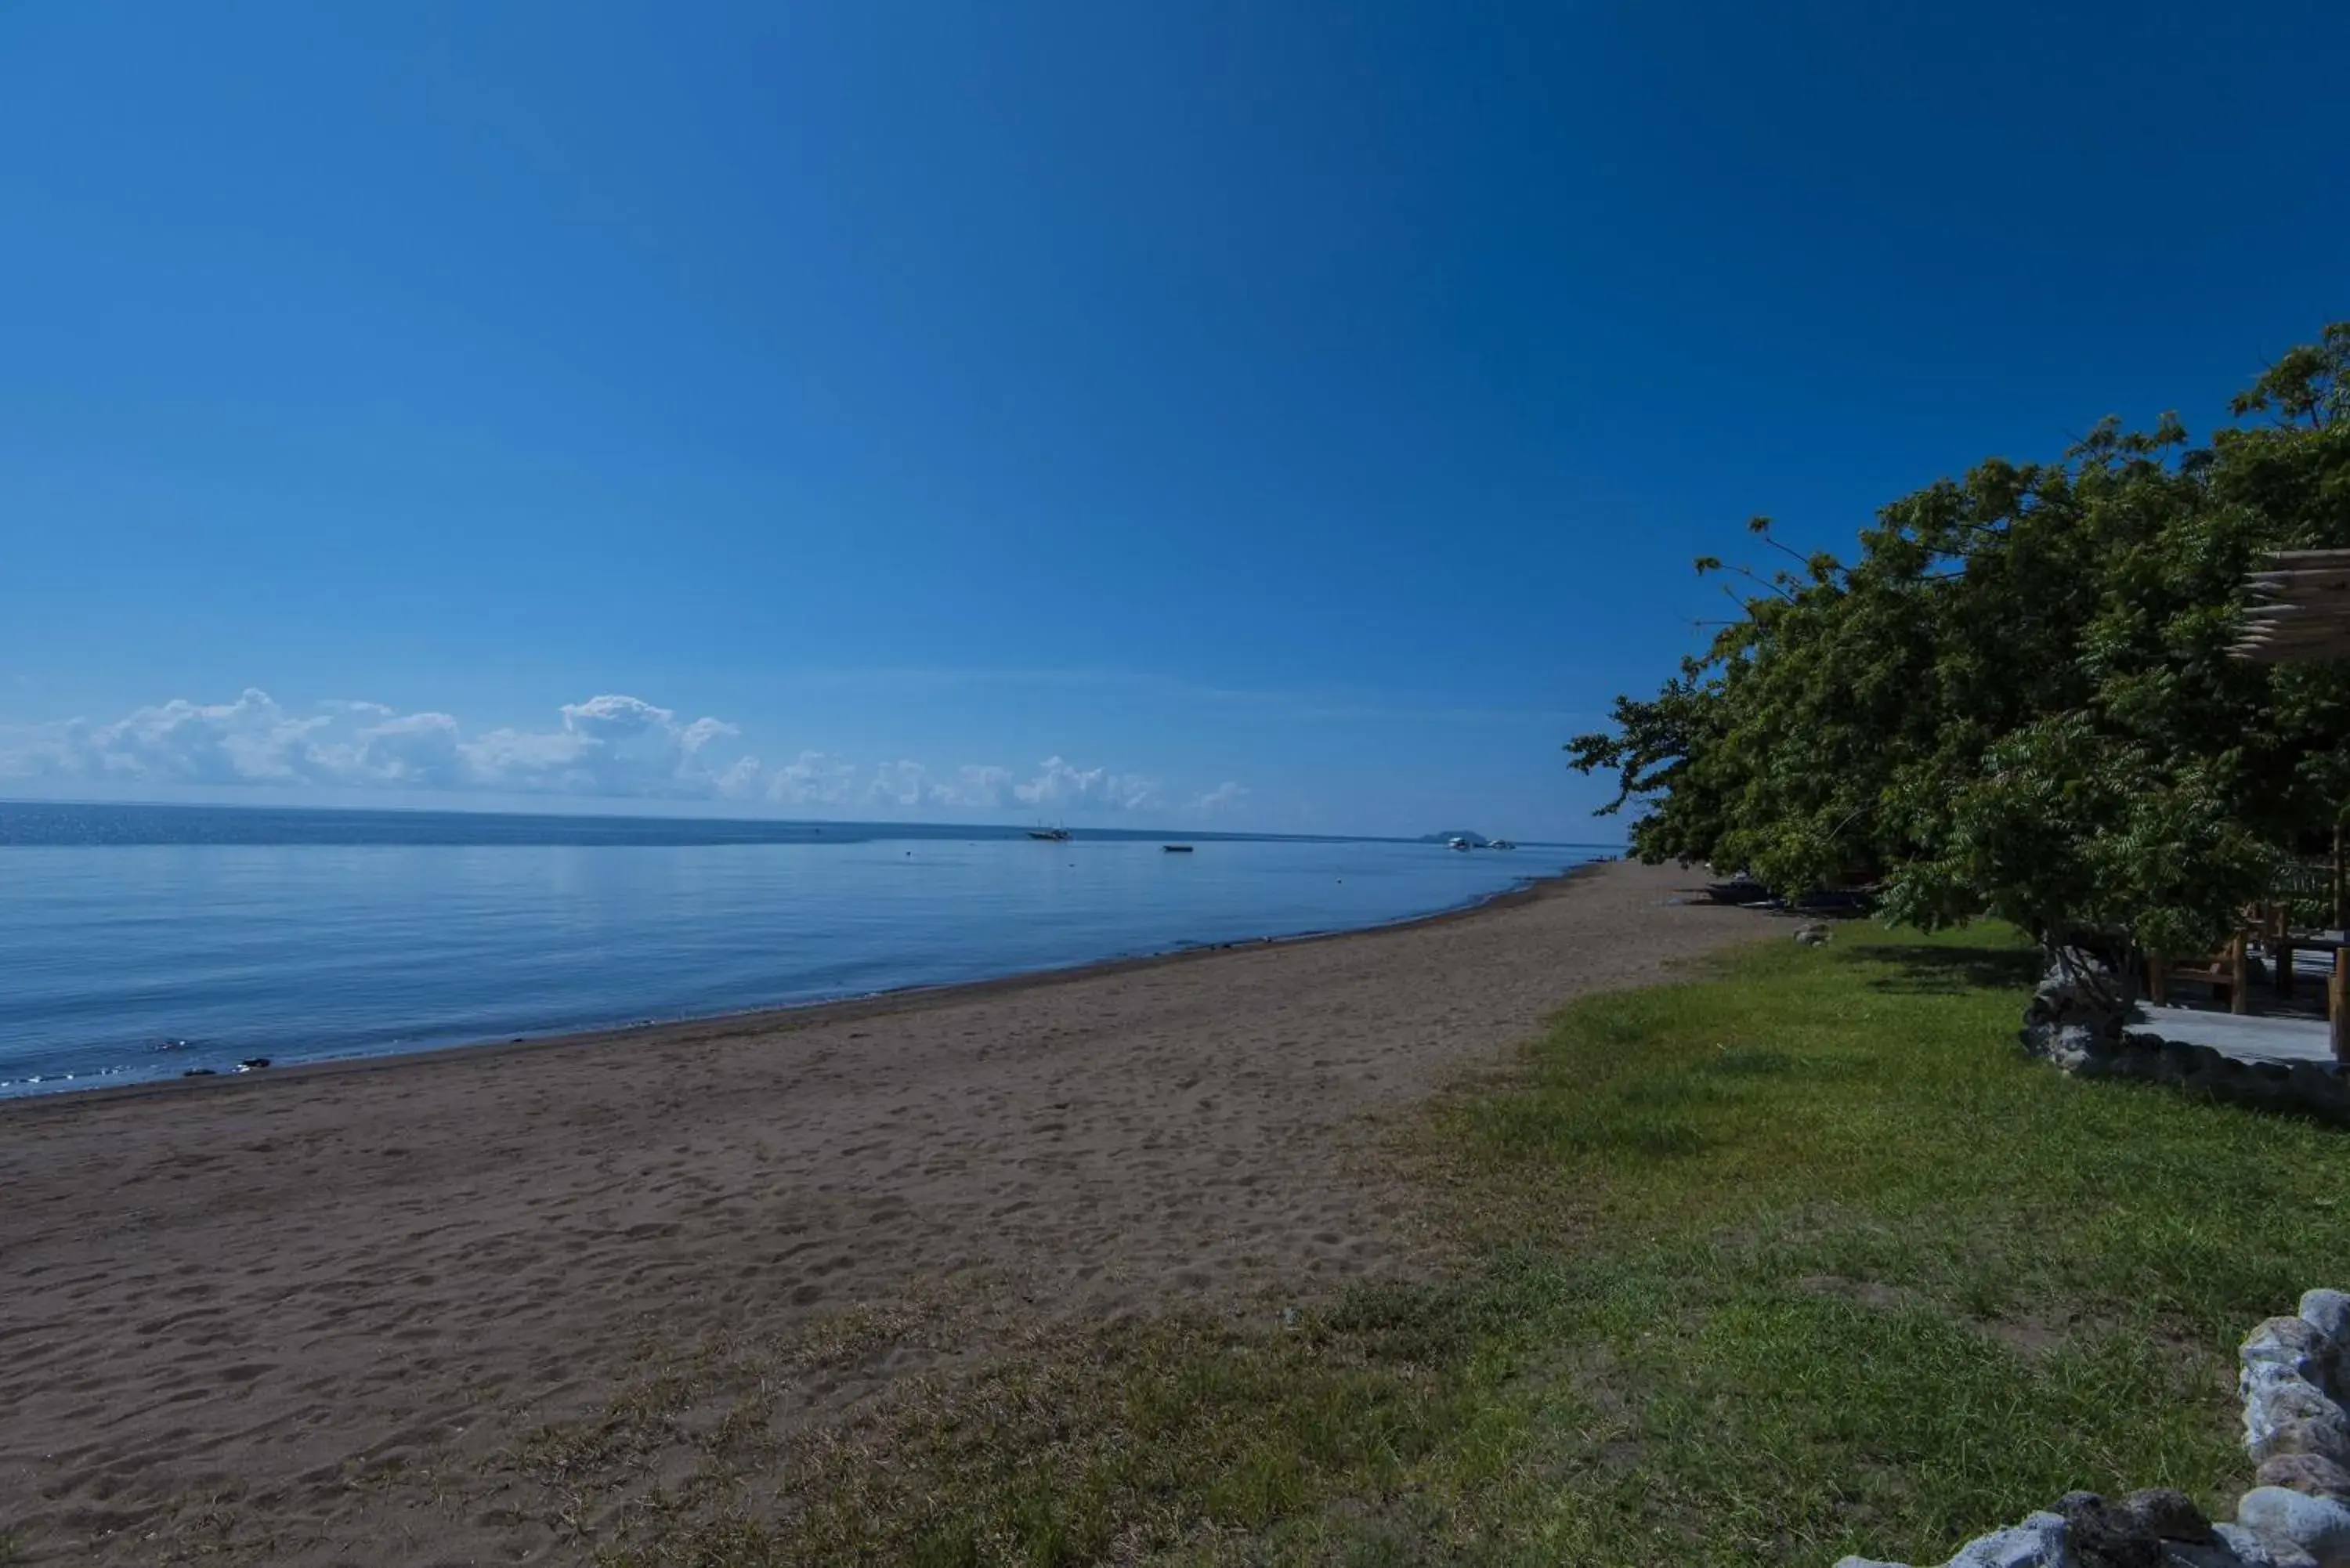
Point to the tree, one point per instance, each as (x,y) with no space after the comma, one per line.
(2017,697)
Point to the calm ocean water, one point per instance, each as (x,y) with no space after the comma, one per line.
(140,942)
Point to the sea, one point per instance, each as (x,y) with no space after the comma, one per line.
(146,942)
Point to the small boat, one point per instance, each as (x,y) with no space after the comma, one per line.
(1176,849)
(1501,843)
(1050,835)
(1456,842)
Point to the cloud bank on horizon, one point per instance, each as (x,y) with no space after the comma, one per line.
(609,746)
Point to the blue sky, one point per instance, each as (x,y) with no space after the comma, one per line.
(1290,416)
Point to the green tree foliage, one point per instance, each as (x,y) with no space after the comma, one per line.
(2016,699)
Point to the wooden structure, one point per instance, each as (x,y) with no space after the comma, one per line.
(2229,968)
(2303,609)
(2301,614)
(2270,925)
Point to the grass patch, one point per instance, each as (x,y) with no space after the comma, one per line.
(1136,1437)
(1799,1259)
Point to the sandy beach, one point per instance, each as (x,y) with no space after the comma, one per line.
(306,1310)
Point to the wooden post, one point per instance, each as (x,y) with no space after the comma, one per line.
(2155,980)
(2281,955)
(2337,1003)
(2240,971)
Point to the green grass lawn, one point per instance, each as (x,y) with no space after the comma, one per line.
(1802,1257)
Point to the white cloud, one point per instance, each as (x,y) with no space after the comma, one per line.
(249,741)
(606,745)
(1225,797)
(900,783)
(1058,787)
(614,746)
(1067,787)
(40,750)
(814,780)
(738,780)
(419,750)
(976,788)
(609,745)
(503,753)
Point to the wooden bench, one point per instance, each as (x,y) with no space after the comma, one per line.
(2270,925)
(2229,968)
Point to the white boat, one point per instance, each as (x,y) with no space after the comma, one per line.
(1050,835)
(1457,842)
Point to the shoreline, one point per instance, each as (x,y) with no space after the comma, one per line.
(309,1307)
(784,1017)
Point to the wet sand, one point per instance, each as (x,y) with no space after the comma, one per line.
(285,1297)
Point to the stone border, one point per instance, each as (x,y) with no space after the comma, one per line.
(2308,1086)
(2297,1514)
(2078,1027)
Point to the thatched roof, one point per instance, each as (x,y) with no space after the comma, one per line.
(2305,609)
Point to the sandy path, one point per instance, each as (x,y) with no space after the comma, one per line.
(270,1289)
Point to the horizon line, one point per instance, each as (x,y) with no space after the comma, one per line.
(1233,835)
